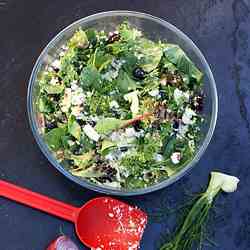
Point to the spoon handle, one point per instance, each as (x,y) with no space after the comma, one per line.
(38,201)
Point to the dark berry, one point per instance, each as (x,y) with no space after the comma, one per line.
(81,122)
(92,123)
(123,149)
(51,125)
(113,37)
(175,124)
(139,73)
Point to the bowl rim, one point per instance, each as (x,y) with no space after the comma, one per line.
(103,189)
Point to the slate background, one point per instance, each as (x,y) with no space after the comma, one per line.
(221,30)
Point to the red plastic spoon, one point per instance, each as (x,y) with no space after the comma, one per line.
(102,223)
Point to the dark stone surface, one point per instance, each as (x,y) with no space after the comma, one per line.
(221,30)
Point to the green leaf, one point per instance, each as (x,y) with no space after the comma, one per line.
(45,105)
(178,57)
(90,78)
(100,60)
(90,172)
(54,138)
(54,89)
(125,82)
(83,160)
(79,39)
(74,128)
(92,36)
(151,54)
(107,144)
(169,146)
(107,125)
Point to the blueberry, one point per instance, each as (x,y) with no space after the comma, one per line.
(175,125)
(51,125)
(123,149)
(139,73)
(92,123)
(81,122)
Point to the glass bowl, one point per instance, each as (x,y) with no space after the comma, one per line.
(153,28)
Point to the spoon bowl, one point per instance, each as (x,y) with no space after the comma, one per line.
(102,223)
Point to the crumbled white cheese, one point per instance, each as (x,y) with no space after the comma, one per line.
(188,115)
(77,97)
(56,64)
(54,81)
(176,157)
(130,132)
(91,133)
(114,105)
(158,157)
(182,130)
(180,96)
(154,92)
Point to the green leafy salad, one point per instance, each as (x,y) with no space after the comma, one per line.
(121,110)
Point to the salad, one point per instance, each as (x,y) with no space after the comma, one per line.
(119,109)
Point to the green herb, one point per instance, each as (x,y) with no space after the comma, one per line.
(54,89)
(74,128)
(79,39)
(190,232)
(90,78)
(179,58)
(107,125)
(54,138)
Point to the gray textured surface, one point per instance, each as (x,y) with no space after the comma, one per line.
(220,28)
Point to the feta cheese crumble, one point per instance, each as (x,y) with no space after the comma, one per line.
(176,157)
(187,117)
(91,133)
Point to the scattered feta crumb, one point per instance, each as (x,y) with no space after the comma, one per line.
(56,64)
(114,105)
(182,130)
(154,92)
(111,215)
(54,81)
(176,157)
(180,96)
(130,132)
(158,157)
(91,133)
(188,115)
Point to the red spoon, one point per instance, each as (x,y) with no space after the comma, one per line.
(102,223)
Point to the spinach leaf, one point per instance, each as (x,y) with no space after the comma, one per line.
(83,160)
(54,138)
(125,82)
(169,146)
(74,128)
(90,172)
(90,78)
(151,54)
(107,125)
(178,57)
